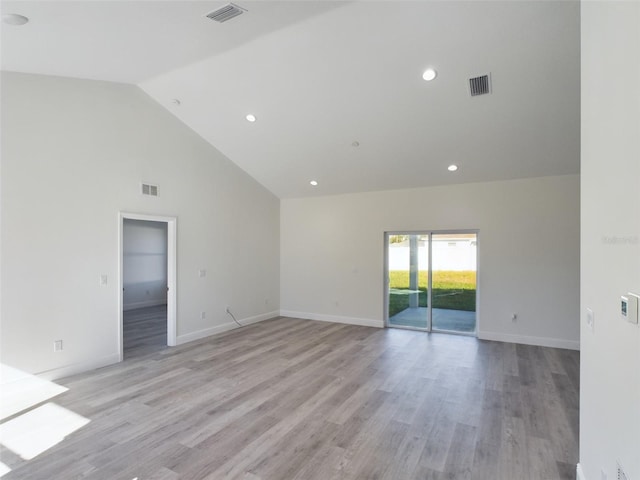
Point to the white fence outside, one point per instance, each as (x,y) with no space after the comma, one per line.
(458,254)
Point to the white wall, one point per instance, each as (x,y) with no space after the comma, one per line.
(73,155)
(144,251)
(610,266)
(332,253)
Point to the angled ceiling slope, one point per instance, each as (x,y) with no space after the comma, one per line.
(336,87)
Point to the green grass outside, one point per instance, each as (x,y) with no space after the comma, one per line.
(451,290)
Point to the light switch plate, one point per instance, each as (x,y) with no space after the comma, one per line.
(633,312)
(629,307)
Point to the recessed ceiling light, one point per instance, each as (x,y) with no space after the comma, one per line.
(314,183)
(251,118)
(429,74)
(14,19)
(452,168)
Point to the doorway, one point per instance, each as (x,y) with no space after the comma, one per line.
(431,281)
(147,277)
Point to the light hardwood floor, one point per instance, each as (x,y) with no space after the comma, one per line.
(294,399)
(144,330)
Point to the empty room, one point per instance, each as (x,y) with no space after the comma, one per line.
(276,240)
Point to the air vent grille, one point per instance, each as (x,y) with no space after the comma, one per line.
(480,85)
(148,189)
(226,13)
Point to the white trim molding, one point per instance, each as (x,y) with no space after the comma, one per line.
(528,340)
(259,318)
(172,268)
(74,368)
(207,332)
(364,322)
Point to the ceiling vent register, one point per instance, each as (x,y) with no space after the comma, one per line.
(225,13)
(480,85)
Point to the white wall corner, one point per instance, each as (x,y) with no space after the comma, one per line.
(364,322)
(580,473)
(529,340)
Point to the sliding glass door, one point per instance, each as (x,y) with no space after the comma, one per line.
(431,281)
(454,282)
(408,285)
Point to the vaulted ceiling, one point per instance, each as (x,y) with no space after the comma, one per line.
(336,87)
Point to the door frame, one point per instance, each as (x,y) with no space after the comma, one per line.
(172,223)
(385,283)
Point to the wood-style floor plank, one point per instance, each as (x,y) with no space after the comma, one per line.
(144,330)
(294,399)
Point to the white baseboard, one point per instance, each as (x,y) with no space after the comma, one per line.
(81,367)
(365,322)
(580,473)
(146,303)
(496,336)
(207,332)
(259,318)
(528,340)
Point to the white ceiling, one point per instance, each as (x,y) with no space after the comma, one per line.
(321,75)
(131,41)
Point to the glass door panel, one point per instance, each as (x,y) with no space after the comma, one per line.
(408,270)
(454,280)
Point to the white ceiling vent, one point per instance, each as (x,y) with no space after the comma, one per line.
(480,85)
(148,189)
(226,13)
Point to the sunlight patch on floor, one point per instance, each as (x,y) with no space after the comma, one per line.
(21,390)
(36,431)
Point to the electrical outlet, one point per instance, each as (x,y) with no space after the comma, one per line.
(57,346)
(203,315)
(104,280)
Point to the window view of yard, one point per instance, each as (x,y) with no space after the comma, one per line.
(455,290)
